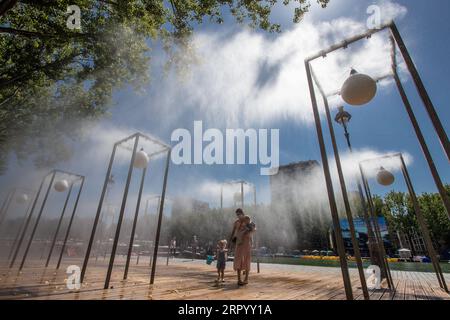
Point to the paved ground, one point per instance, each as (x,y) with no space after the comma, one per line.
(186,279)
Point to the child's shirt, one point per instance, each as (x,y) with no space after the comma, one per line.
(222,255)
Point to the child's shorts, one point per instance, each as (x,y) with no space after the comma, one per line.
(221,264)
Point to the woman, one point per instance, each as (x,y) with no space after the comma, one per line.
(242,238)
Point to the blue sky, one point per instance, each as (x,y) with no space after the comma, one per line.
(220,93)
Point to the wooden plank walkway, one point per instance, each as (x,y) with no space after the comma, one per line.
(186,279)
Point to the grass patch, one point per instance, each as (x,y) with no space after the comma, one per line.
(401,266)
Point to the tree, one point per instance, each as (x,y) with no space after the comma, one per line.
(400,215)
(57,75)
(437,219)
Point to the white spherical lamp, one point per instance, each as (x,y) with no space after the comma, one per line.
(61,185)
(141,159)
(384,177)
(23,198)
(358,89)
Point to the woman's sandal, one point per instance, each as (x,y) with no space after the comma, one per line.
(240,283)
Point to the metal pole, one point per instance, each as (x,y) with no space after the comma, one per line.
(121,214)
(70,224)
(157,210)
(423,144)
(133,229)
(257,237)
(382,250)
(24,231)
(20,230)
(37,221)
(372,240)
(423,226)
(8,196)
(59,225)
(330,191)
(221,198)
(100,244)
(242,194)
(97,216)
(8,204)
(348,209)
(168,252)
(422,91)
(161,209)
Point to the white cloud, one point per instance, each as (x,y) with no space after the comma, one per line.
(252,78)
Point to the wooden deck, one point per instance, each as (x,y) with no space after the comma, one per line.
(185,279)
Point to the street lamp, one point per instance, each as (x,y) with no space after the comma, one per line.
(139,159)
(21,199)
(343,118)
(376,245)
(60,185)
(340,246)
(396,41)
(416,206)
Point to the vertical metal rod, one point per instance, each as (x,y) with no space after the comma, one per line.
(38,218)
(257,237)
(25,228)
(59,225)
(378,235)
(97,216)
(382,250)
(371,235)
(157,210)
(242,194)
(330,191)
(374,243)
(348,209)
(423,226)
(121,214)
(168,252)
(70,224)
(221,198)
(19,232)
(6,209)
(133,229)
(423,145)
(8,196)
(422,91)
(161,209)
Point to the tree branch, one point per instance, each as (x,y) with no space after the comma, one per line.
(33,34)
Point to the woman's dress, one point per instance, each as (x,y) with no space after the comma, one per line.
(243,251)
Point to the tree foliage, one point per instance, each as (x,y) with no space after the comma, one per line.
(398,209)
(51,74)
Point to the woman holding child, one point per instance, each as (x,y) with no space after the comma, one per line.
(241,237)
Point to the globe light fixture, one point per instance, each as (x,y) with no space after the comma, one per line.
(384,177)
(61,185)
(141,160)
(23,198)
(358,89)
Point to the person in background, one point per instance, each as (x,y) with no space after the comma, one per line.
(173,246)
(221,256)
(194,247)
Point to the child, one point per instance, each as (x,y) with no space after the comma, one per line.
(221,255)
(246,227)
